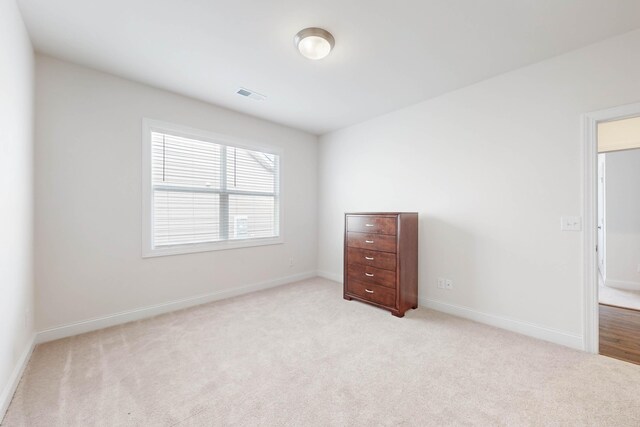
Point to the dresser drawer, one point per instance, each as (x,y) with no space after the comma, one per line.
(372,224)
(376,242)
(384,260)
(373,275)
(374,293)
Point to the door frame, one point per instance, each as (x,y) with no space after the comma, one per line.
(601,245)
(590,197)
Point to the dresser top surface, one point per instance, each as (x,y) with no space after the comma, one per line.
(379,213)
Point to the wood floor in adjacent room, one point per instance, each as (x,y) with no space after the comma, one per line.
(300,355)
(620,333)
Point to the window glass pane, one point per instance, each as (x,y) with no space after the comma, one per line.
(251,170)
(185,217)
(193,185)
(183,161)
(252,216)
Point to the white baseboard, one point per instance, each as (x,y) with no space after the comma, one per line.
(331,276)
(14,379)
(524,328)
(89,325)
(621,284)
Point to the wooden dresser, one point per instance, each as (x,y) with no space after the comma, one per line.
(381,259)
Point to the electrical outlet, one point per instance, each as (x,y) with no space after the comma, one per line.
(441,283)
(571,223)
(448,284)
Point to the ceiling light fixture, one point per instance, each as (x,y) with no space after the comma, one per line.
(314,43)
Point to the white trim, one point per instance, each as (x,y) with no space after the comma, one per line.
(519,326)
(590,237)
(207,247)
(14,379)
(602,246)
(89,325)
(331,276)
(524,328)
(146,186)
(149,125)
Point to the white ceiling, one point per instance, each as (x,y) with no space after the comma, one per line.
(388,54)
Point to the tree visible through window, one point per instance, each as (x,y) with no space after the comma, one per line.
(205,192)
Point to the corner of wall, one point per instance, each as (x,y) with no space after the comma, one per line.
(17,226)
(14,379)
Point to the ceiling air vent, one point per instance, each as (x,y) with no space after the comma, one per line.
(251,94)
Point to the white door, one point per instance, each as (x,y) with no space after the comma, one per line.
(601,213)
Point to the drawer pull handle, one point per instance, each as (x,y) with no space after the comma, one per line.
(368,241)
(369,258)
(368,274)
(368,291)
(368,225)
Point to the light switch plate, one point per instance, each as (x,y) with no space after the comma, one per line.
(571,223)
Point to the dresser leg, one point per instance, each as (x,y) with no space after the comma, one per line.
(415,306)
(398,313)
(348,298)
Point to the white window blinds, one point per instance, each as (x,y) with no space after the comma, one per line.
(204,192)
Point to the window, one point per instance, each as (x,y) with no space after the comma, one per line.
(206,192)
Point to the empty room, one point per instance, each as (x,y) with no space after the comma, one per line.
(336,213)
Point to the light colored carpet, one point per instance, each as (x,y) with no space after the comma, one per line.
(300,355)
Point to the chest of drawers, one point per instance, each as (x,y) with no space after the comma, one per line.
(381,259)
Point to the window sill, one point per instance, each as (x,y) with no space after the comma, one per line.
(208,247)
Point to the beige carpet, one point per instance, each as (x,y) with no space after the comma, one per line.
(299,355)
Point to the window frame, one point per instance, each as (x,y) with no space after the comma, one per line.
(151,125)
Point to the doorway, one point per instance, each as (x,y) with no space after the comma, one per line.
(618,237)
(591,311)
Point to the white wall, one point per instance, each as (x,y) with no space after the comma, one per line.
(490,168)
(623,219)
(88,201)
(16,198)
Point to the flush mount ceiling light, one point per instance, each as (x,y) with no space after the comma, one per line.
(314,43)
